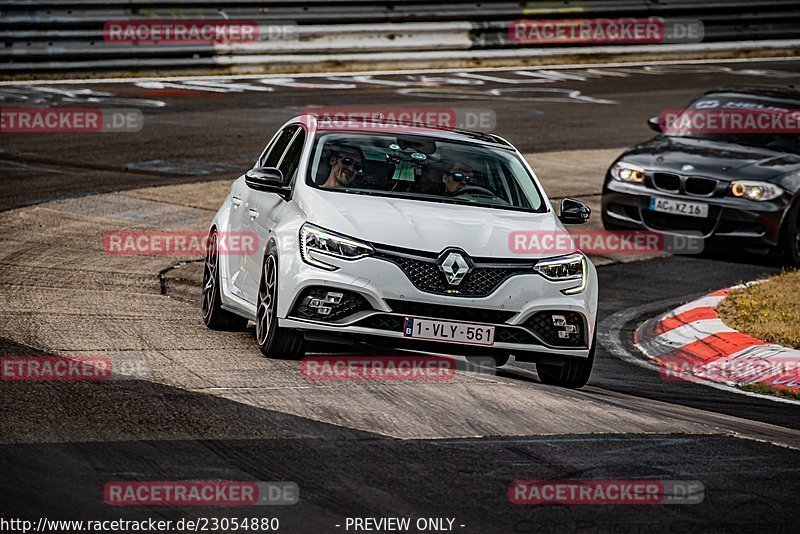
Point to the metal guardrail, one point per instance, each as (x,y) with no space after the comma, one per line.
(40,36)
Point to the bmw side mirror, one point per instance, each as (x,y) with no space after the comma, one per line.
(267,179)
(574,212)
(655,124)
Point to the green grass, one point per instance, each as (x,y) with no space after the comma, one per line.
(769,311)
(766,390)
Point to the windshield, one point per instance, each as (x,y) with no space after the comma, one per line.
(749,121)
(424,168)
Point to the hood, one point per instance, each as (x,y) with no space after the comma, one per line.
(423,226)
(715,159)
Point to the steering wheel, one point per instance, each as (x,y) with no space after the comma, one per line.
(474,189)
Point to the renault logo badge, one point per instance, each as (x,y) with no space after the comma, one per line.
(455,267)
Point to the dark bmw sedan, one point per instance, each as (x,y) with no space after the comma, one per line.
(726,168)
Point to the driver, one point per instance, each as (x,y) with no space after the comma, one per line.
(460,176)
(345,164)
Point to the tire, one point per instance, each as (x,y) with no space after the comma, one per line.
(213,315)
(274,341)
(789,245)
(574,373)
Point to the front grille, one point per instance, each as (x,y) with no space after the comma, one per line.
(383,321)
(482,281)
(696,185)
(455,313)
(514,335)
(667,181)
(541,323)
(349,304)
(667,222)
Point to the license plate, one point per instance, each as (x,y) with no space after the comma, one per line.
(679,207)
(453,332)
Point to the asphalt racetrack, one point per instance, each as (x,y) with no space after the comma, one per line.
(210,407)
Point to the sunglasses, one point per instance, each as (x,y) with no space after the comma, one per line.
(460,177)
(350,162)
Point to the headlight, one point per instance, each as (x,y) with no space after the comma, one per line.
(625,172)
(755,190)
(572,267)
(316,240)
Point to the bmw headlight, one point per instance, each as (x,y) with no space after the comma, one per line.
(754,190)
(625,172)
(571,267)
(318,241)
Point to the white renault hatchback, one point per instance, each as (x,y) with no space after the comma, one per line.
(398,236)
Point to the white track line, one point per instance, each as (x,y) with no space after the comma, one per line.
(394,72)
(687,334)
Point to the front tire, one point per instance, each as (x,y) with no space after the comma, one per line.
(274,341)
(574,373)
(213,315)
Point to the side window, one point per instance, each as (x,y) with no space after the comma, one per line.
(274,153)
(291,159)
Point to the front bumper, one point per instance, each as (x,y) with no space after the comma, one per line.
(743,221)
(389,296)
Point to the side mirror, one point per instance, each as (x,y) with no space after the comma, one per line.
(655,124)
(574,212)
(268,179)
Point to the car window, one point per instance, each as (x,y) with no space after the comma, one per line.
(273,154)
(291,158)
(747,120)
(423,167)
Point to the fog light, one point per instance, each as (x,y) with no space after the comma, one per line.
(333,298)
(568,329)
(324,306)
